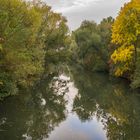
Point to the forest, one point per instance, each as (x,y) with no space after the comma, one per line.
(33,38)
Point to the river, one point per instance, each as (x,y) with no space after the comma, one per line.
(72,105)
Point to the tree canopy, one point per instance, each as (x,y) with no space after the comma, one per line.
(93,41)
(28,31)
(125,34)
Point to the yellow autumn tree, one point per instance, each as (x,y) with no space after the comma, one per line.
(125,35)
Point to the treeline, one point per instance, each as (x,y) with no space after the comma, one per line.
(30,34)
(32,37)
(112,45)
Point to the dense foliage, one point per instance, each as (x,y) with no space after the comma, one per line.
(126,36)
(34,39)
(28,31)
(112,45)
(93,42)
(126,31)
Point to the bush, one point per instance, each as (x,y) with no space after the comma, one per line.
(7,86)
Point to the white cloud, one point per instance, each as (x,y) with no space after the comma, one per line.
(69,5)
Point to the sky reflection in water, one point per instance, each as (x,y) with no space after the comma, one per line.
(79,106)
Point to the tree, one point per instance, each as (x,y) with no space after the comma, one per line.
(29,33)
(93,42)
(126,36)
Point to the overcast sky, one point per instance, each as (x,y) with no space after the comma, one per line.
(78,10)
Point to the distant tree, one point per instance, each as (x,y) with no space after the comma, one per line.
(93,42)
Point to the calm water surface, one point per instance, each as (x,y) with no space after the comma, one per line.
(73,105)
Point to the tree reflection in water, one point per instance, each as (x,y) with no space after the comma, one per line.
(46,116)
(111,102)
(54,106)
(35,116)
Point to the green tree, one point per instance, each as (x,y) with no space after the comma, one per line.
(31,35)
(93,43)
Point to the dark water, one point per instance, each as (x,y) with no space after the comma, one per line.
(73,105)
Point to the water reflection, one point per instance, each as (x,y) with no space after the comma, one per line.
(32,116)
(111,102)
(71,106)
